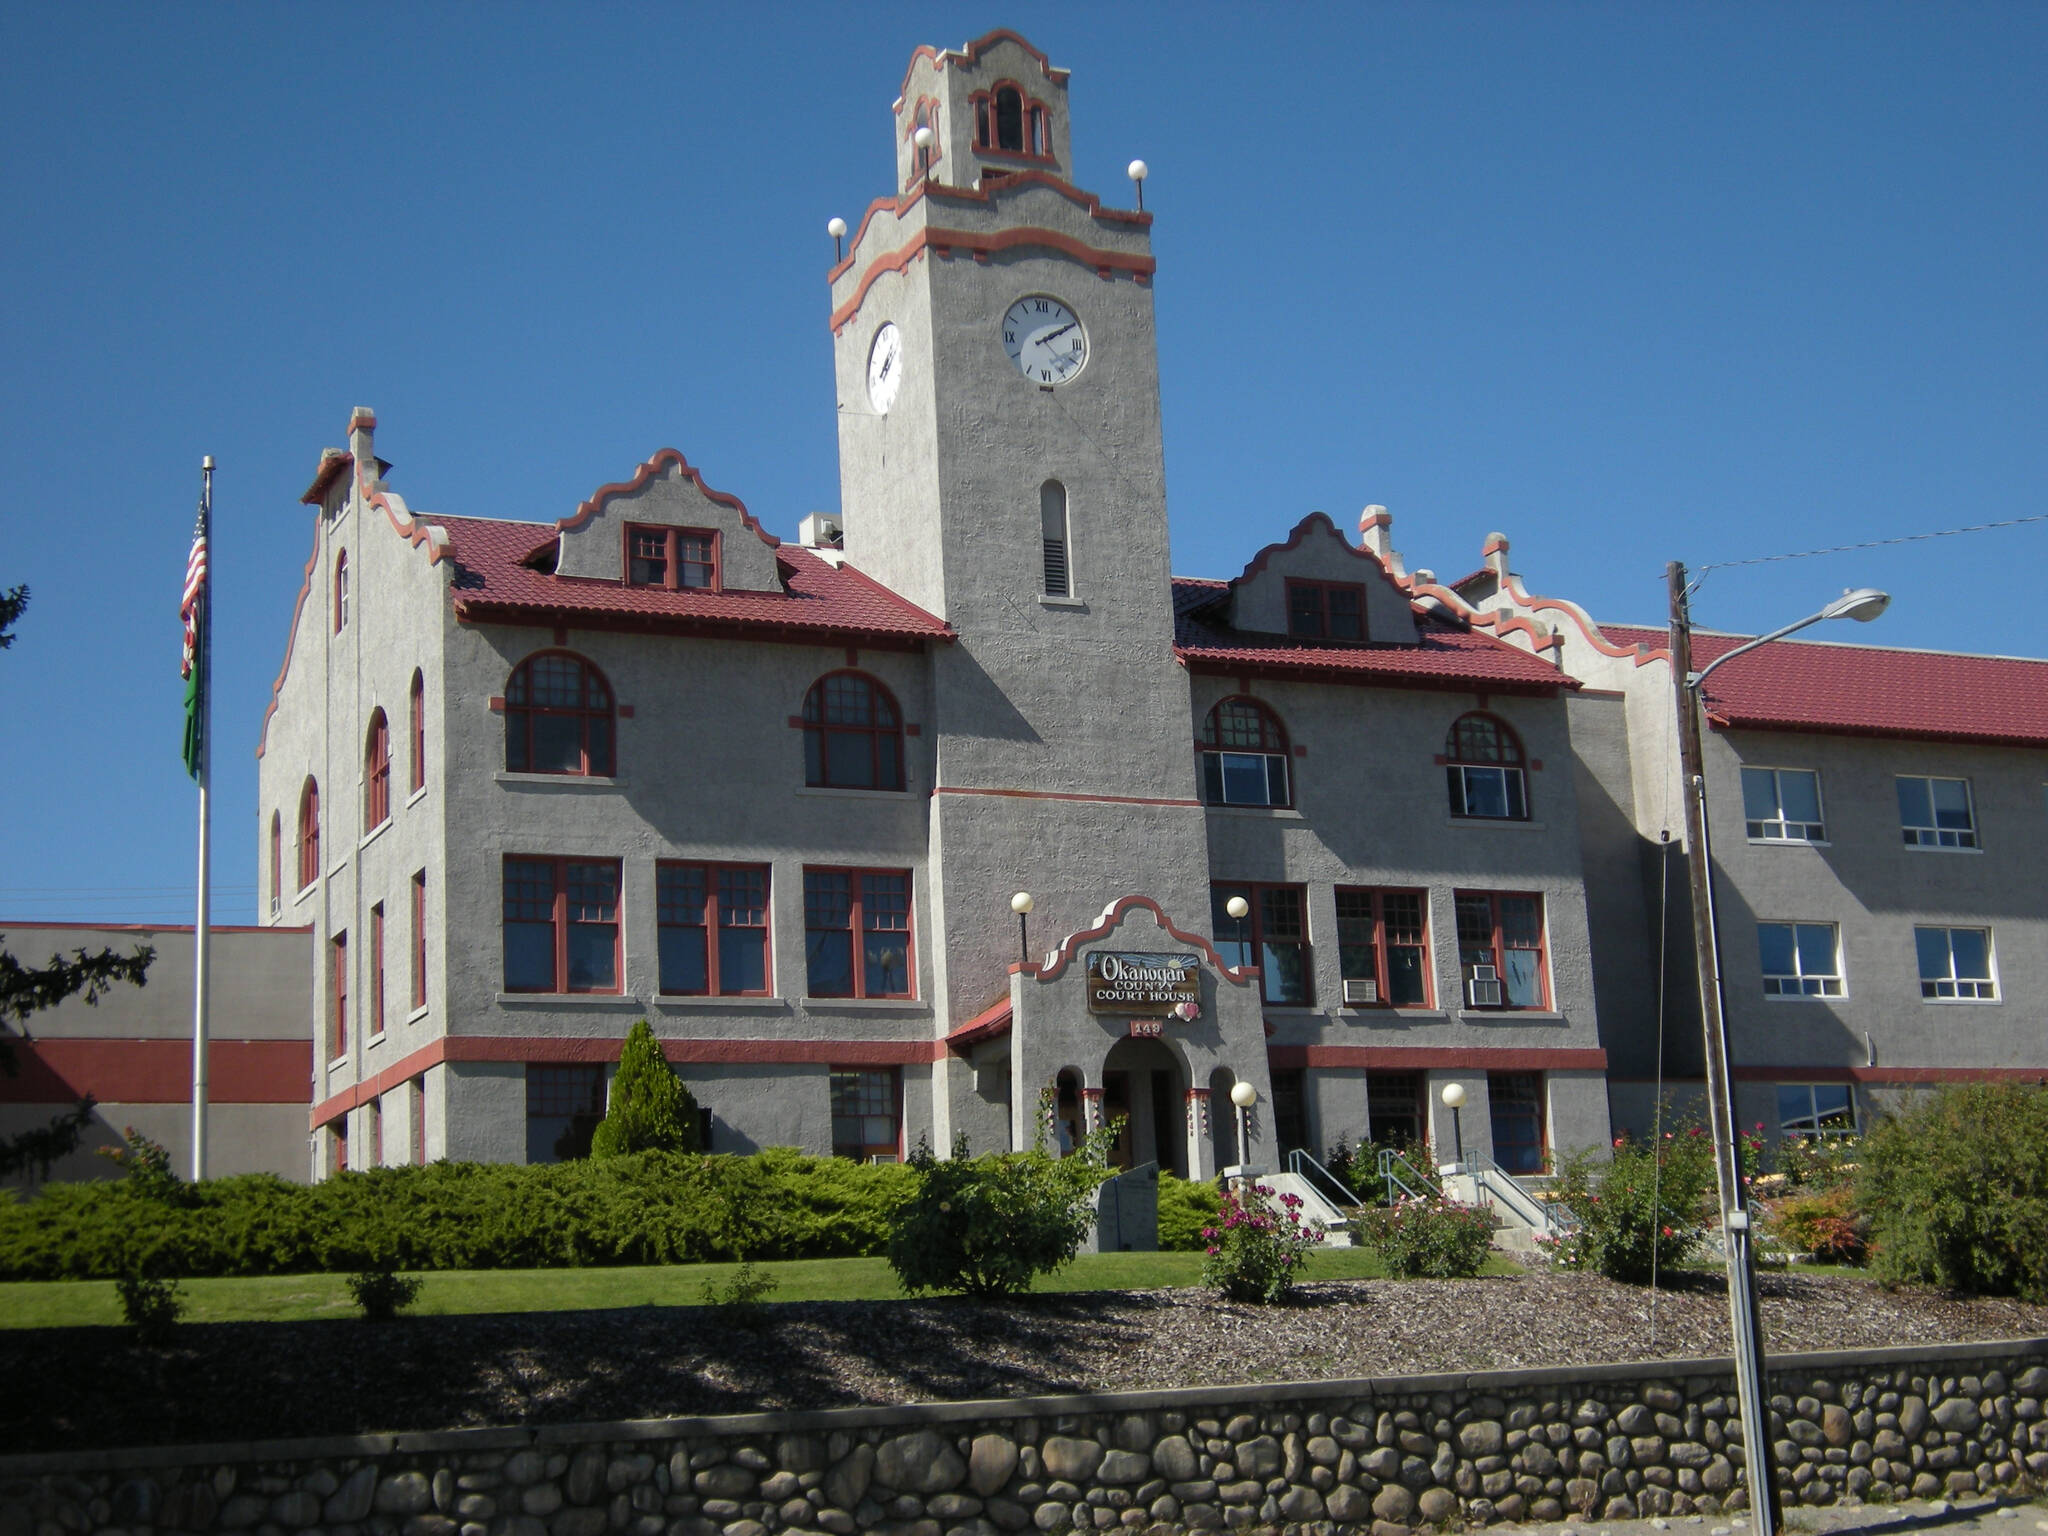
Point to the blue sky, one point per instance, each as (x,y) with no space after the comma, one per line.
(1627,282)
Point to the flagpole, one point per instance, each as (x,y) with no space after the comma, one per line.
(201,935)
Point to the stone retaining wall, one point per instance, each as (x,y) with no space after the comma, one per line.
(1388,1452)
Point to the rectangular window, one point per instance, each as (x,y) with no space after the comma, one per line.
(1783,805)
(1800,959)
(419,939)
(1501,950)
(676,558)
(337,1011)
(1816,1109)
(1955,964)
(1273,935)
(561,925)
(564,1104)
(695,901)
(1325,610)
(337,1145)
(1052,515)
(867,1115)
(1936,813)
(1383,947)
(1393,1108)
(857,932)
(377,969)
(1515,1108)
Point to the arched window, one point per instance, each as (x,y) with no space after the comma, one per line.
(1009,119)
(377,773)
(417,710)
(1244,756)
(558,717)
(853,734)
(1052,517)
(309,833)
(1484,768)
(276,862)
(341,592)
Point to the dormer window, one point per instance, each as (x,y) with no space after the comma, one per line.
(674,558)
(1325,610)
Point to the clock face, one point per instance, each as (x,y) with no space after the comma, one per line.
(885,368)
(1044,339)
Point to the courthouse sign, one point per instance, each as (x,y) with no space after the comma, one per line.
(1143,983)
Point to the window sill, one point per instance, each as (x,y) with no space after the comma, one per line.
(305,891)
(621,1000)
(834,792)
(691,1002)
(1518,1015)
(374,1041)
(1292,1010)
(1963,1002)
(1808,997)
(565,781)
(338,1063)
(1788,842)
(1047,600)
(868,1005)
(1257,812)
(338,867)
(1936,848)
(374,833)
(417,1014)
(1361,1013)
(1508,822)
(416,797)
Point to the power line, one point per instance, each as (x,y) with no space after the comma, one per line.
(1843,549)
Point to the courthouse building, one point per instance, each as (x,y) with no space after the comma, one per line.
(529,782)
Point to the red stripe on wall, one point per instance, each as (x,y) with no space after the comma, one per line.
(1881,1075)
(159,1072)
(1397,1058)
(504,1048)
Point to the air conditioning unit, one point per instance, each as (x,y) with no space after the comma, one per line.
(1361,991)
(820,530)
(1482,987)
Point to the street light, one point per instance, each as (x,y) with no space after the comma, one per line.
(1021,904)
(1244,1096)
(1745,1329)
(923,140)
(1454,1099)
(1138,171)
(1239,909)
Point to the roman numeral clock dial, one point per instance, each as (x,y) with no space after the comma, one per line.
(1045,340)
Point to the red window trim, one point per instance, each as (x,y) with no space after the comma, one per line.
(560,922)
(671,541)
(417,705)
(712,926)
(1322,589)
(1499,945)
(924,115)
(377,773)
(1519,763)
(520,717)
(1254,928)
(309,832)
(983,105)
(419,939)
(856,927)
(1269,723)
(822,728)
(377,969)
(337,998)
(1377,894)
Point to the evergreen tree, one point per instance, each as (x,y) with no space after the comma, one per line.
(651,1110)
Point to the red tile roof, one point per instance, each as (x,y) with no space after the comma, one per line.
(1867,690)
(1447,655)
(817,601)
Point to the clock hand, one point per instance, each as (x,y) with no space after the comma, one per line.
(1061,331)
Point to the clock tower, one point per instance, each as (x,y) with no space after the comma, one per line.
(1001,465)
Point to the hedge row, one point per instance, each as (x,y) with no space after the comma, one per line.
(649,1208)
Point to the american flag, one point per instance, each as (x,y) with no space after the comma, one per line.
(195,590)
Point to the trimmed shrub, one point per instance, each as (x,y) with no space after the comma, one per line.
(1186,1206)
(1956,1191)
(1428,1239)
(650,1110)
(1257,1244)
(987,1225)
(382,1293)
(1824,1224)
(1640,1212)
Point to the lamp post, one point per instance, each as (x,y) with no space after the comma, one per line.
(1745,1330)
(1244,1096)
(1021,904)
(1239,909)
(923,140)
(1138,171)
(1454,1099)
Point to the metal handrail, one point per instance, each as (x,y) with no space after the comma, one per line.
(1300,1160)
(1539,1215)
(1392,1167)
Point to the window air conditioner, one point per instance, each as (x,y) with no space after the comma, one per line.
(1482,987)
(1361,991)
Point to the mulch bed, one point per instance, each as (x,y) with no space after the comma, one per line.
(70,1388)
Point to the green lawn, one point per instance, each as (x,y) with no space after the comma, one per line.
(73,1303)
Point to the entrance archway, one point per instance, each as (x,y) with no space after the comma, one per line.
(1143,1081)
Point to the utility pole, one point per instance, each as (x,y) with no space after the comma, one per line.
(1745,1330)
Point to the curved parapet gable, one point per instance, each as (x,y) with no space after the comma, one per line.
(1113,915)
(667,492)
(971,53)
(664,461)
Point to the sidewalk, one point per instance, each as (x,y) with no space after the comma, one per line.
(1936,1517)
